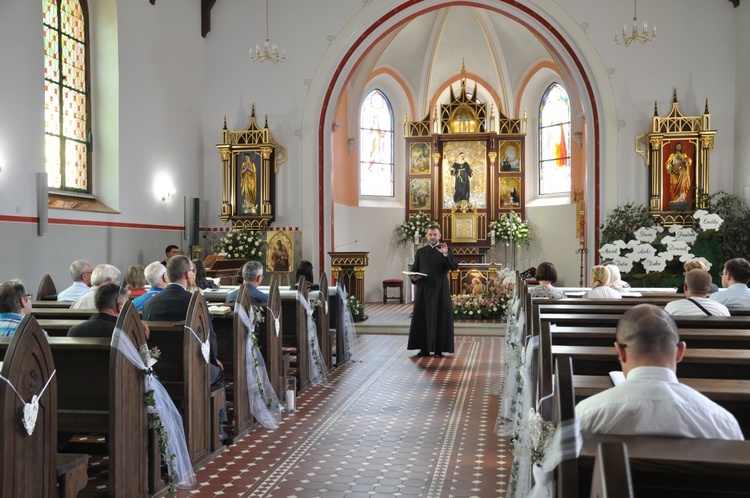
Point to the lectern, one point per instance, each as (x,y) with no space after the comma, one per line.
(350,267)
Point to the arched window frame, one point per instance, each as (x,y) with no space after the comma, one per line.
(376,151)
(67,99)
(554,154)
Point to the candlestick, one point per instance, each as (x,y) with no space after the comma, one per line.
(416,239)
(492,237)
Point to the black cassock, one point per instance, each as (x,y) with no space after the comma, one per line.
(432,322)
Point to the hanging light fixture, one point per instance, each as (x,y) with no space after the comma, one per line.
(269,53)
(642,37)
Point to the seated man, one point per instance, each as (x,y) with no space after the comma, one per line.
(172,304)
(109,299)
(652,401)
(735,277)
(15,303)
(252,276)
(697,287)
(156,276)
(171,250)
(80,272)
(101,275)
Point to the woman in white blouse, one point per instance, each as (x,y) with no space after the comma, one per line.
(600,288)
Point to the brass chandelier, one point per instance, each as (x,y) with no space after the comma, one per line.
(269,53)
(642,37)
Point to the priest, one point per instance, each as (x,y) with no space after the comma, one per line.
(432,321)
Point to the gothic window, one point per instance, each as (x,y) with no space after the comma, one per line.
(376,146)
(66,95)
(554,141)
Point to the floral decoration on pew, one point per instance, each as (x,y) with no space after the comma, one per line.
(150,357)
(531,441)
(493,303)
(511,229)
(241,244)
(258,317)
(415,226)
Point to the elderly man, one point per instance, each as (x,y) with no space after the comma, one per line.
(652,401)
(101,275)
(156,276)
(697,287)
(172,304)
(109,299)
(252,276)
(15,303)
(734,278)
(80,272)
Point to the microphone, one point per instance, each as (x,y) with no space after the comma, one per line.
(346,244)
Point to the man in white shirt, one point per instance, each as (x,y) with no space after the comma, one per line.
(734,278)
(101,275)
(697,286)
(651,401)
(80,272)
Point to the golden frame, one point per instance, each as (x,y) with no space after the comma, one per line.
(464,227)
(420,158)
(420,194)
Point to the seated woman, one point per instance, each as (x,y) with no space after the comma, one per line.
(696,264)
(546,275)
(200,276)
(615,280)
(305,268)
(600,288)
(135,281)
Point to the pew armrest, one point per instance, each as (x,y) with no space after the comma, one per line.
(72,473)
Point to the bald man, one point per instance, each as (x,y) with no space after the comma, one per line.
(697,286)
(652,401)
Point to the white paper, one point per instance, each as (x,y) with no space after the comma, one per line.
(617,377)
(413,273)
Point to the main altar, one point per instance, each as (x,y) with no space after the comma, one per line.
(466,165)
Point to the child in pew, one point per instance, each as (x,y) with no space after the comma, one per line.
(652,401)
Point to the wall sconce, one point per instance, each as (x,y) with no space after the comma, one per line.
(578,138)
(163,187)
(167,196)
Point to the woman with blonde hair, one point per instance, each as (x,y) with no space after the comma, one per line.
(600,288)
(135,281)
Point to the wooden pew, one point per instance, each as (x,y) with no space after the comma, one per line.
(336,312)
(611,476)
(186,376)
(27,463)
(269,342)
(294,329)
(322,322)
(62,313)
(695,338)
(47,290)
(235,368)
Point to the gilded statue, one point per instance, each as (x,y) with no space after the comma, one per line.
(248,184)
(678,167)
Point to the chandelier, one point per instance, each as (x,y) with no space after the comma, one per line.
(269,53)
(642,37)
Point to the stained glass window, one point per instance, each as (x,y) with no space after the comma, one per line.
(554,141)
(376,146)
(66,99)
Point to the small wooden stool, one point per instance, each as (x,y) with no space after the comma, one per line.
(393,283)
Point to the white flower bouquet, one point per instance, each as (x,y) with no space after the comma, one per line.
(416,226)
(511,229)
(242,244)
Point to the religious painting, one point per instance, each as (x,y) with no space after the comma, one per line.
(510,152)
(280,251)
(419,159)
(463,227)
(464,173)
(473,282)
(248,167)
(678,175)
(420,193)
(509,192)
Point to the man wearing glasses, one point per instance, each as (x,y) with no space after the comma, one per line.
(80,272)
(15,303)
(734,279)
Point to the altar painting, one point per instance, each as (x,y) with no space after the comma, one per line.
(473,282)
(464,173)
(509,191)
(420,193)
(280,251)
(510,152)
(678,175)
(419,159)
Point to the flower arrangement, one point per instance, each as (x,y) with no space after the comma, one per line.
(150,357)
(493,303)
(356,307)
(416,226)
(241,244)
(540,433)
(511,229)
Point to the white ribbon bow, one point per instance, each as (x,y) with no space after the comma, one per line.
(205,346)
(30,409)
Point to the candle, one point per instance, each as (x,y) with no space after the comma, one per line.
(492,237)
(290,400)
(416,238)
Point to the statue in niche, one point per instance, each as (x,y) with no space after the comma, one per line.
(248,185)
(678,167)
(462,171)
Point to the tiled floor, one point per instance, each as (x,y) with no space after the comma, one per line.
(390,425)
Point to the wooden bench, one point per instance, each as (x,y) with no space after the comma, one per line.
(30,464)
(186,376)
(322,320)
(47,290)
(294,333)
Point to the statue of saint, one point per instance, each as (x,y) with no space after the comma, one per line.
(462,171)
(248,185)
(678,167)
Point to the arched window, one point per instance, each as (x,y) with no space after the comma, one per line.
(376,146)
(66,95)
(554,141)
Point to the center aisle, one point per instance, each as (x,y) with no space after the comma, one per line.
(389,425)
